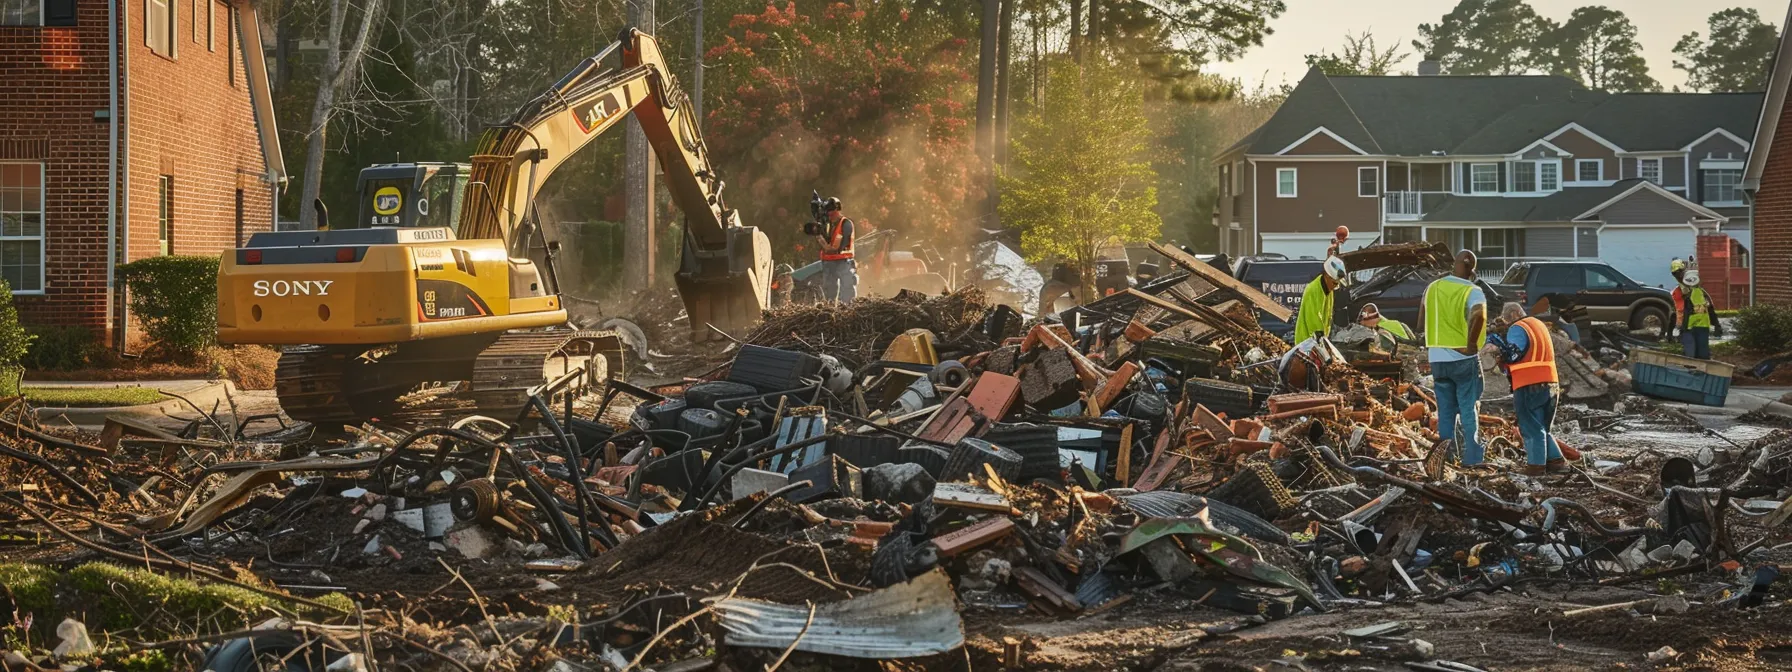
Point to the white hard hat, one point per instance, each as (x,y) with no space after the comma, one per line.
(1691,278)
(1334,269)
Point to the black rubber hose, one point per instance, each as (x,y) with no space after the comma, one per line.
(752,459)
(1549,518)
(573,459)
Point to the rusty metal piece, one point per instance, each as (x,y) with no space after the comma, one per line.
(973,536)
(474,500)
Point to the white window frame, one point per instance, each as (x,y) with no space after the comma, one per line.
(170,10)
(1599,170)
(1643,174)
(1293,184)
(1374,180)
(42,226)
(1703,184)
(40,16)
(1545,169)
(1473,178)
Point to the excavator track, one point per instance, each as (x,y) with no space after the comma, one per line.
(518,362)
(330,386)
(309,381)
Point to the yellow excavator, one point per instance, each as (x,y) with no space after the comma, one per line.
(447,276)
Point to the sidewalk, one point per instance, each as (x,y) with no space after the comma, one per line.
(203,393)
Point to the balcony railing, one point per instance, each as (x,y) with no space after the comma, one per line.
(1402,206)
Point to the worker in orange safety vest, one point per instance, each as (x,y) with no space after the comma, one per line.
(1528,353)
(839,273)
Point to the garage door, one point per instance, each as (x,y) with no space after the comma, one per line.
(1643,253)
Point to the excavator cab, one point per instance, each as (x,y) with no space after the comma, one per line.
(411,195)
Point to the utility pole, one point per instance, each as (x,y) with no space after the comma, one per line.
(638,227)
(697,69)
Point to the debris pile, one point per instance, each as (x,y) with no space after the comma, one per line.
(916,478)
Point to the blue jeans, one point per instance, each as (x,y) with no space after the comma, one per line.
(839,280)
(1696,342)
(1459,395)
(1535,406)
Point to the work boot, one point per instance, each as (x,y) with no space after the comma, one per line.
(1556,466)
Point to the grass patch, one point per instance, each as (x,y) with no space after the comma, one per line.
(1729,313)
(89,397)
(137,604)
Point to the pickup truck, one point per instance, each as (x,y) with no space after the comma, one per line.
(1606,294)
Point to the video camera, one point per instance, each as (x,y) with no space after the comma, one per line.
(818,222)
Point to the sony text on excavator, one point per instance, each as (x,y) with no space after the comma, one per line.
(446,275)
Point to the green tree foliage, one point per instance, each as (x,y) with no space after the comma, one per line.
(176,299)
(1079,179)
(1737,55)
(869,103)
(1360,56)
(1186,137)
(1597,47)
(1488,37)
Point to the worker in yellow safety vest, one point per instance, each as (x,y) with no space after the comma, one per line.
(1528,353)
(1315,315)
(1696,322)
(1454,313)
(1370,316)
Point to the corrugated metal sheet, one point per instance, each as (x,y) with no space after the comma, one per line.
(918,618)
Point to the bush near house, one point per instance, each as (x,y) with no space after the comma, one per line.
(63,348)
(1764,328)
(176,299)
(14,341)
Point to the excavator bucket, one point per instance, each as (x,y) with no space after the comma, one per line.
(729,287)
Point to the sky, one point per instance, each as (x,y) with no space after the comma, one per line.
(1312,26)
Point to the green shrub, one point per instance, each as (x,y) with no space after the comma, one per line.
(61,348)
(14,341)
(176,298)
(1763,328)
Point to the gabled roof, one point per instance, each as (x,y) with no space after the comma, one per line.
(1568,205)
(1769,120)
(1644,122)
(1491,115)
(1314,103)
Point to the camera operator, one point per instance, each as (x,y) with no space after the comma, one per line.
(839,273)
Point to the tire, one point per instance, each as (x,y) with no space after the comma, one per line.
(1641,317)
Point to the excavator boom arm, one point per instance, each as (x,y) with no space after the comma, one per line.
(724,273)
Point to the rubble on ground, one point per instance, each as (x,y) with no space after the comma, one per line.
(918,479)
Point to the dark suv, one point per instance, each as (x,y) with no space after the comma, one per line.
(1607,295)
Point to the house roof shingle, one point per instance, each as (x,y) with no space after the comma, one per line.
(1480,115)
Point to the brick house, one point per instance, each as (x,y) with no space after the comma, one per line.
(1515,168)
(1768,183)
(128,128)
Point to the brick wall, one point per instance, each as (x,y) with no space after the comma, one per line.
(52,80)
(183,117)
(189,122)
(1773,224)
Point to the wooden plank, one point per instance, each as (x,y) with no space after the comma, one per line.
(1123,467)
(973,536)
(994,395)
(1219,279)
(1111,389)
